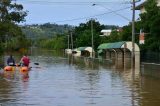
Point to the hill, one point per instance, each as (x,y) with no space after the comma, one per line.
(46,30)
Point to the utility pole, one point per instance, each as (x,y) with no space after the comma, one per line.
(133,34)
(68,41)
(71,40)
(92,36)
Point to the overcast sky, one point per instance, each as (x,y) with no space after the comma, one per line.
(73,12)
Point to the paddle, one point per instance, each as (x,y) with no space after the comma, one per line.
(36,63)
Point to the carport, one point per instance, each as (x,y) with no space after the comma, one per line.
(118,50)
(86,51)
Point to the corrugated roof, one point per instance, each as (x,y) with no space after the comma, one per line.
(103,46)
(81,48)
(118,44)
(111,45)
(89,49)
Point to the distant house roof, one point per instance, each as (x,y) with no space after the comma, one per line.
(81,48)
(106,30)
(89,49)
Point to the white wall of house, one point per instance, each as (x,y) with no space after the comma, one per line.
(106,32)
(142,9)
(158,2)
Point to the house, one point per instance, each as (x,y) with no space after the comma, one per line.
(83,51)
(142,8)
(106,32)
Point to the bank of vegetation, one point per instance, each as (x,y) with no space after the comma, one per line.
(53,36)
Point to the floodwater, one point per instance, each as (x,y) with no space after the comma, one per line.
(62,80)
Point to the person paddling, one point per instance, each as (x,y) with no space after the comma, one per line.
(10,61)
(25,60)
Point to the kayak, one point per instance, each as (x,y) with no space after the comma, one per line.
(24,69)
(9,68)
(20,68)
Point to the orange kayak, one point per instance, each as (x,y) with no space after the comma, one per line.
(24,69)
(9,68)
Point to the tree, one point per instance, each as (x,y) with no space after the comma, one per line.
(150,21)
(10,14)
(82,34)
(55,43)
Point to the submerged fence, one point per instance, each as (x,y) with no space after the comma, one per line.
(150,57)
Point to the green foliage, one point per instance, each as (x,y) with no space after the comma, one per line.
(126,34)
(10,33)
(53,36)
(150,21)
(54,43)
(11,12)
(1,48)
(111,27)
(44,31)
(113,37)
(83,37)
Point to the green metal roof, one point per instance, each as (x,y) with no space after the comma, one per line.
(100,51)
(111,45)
(81,48)
(103,46)
(118,44)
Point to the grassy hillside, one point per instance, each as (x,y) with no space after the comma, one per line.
(47,30)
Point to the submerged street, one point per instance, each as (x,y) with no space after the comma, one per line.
(61,80)
(79,53)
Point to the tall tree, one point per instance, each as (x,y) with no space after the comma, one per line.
(11,13)
(83,36)
(150,21)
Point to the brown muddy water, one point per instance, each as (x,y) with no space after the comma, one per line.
(61,80)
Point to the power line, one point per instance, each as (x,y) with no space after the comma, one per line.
(80,18)
(113,11)
(71,3)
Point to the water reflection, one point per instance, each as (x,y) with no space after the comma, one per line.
(14,75)
(150,69)
(65,80)
(122,77)
(9,75)
(149,92)
(83,62)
